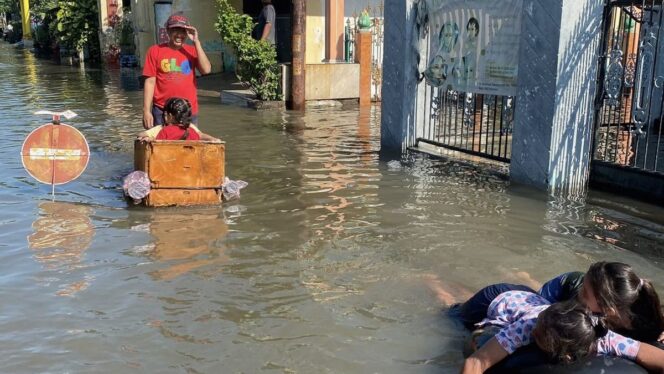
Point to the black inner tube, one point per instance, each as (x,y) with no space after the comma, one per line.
(531,360)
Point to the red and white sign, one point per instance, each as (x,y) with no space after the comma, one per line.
(55,154)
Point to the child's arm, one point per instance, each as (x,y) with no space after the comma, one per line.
(490,354)
(204,137)
(651,358)
(143,136)
(208,138)
(149,135)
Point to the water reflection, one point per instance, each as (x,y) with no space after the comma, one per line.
(186,241)
(60,237)
(340,171)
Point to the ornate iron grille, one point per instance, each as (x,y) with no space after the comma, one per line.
(628,131)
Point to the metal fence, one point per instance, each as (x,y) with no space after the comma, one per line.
(628,131)
(476,124)
(467,122)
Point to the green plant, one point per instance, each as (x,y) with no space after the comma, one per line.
(9,6)
(39,8)
(41,35)
(45,33)
(77,25)
(256,60)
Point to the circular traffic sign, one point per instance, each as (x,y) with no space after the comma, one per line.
(55,154)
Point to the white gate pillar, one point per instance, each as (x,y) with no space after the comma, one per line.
(557,81)
(400,91)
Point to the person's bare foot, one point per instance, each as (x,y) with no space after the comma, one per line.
(437,287)
(528,280)
(521,277)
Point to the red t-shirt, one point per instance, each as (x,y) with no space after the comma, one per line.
(175,132)
(174,70)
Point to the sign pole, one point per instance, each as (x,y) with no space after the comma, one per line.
(55,121)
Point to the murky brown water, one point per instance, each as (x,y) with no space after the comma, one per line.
(318,268)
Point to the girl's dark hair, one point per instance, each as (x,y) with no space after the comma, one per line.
(567,332)
(477,25)
(180,109)
(631,303)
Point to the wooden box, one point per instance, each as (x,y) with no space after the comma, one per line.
(181,172)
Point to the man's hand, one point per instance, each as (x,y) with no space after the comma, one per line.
(192,33)
(148,119)
(661,338)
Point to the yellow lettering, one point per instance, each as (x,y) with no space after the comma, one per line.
(165,66)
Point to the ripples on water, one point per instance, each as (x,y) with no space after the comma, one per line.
(318,268)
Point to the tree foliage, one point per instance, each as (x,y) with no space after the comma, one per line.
(40,8)
(78,24)
(9,6)
(256,60)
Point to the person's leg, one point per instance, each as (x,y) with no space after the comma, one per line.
(443,294)
(158,115)
(475,309)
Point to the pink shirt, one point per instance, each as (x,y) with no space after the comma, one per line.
(517,311)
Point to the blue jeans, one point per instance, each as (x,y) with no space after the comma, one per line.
(158,115)
(475,309)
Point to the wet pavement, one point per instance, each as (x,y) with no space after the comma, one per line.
(319,267)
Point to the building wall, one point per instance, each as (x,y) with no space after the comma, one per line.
(332,81)
(201,13)
(315,47)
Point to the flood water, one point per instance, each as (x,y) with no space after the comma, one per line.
(318,268)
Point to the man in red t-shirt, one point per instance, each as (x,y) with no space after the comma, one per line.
(169,69)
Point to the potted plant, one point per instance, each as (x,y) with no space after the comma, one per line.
(364,22)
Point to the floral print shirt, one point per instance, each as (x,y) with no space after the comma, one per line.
(516,313)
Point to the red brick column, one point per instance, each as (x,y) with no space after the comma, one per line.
(334,24)
(363,57)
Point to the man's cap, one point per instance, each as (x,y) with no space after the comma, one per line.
(177,20)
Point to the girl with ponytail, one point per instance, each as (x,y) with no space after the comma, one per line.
(629,303)
(177,124)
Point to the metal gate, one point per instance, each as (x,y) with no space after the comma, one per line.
(628,145)
(470,123)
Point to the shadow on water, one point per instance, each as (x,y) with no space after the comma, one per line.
(320,266)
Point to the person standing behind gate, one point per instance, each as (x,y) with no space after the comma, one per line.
(265,30)
(170,70)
